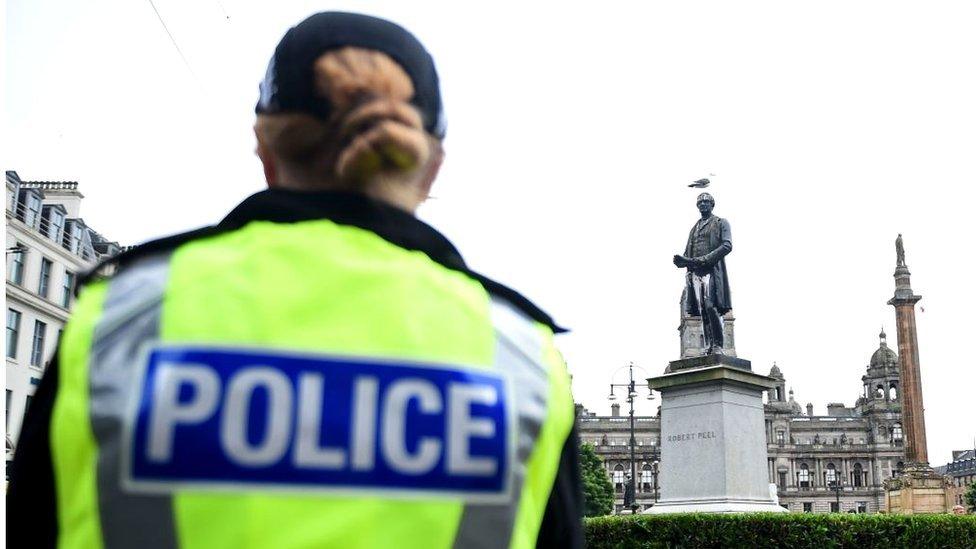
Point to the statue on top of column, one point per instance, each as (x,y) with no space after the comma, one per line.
(900,250)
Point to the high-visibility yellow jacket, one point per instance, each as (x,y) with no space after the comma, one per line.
(317,370)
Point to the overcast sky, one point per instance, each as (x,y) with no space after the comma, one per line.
(572,131)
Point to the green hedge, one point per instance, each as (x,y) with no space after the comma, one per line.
(821,531)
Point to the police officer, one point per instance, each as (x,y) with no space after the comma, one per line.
(318,369)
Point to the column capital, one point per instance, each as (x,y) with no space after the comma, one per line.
(904,298)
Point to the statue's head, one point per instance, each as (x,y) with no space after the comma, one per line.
(705,203)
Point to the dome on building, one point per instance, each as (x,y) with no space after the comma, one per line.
(794,405)
(883,356)
(775,372)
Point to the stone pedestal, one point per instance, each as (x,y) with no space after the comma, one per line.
(713,439)
(918,490)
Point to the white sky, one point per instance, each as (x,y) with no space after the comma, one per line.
(573,129)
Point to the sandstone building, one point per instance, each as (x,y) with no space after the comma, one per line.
(961,472)
(47,246)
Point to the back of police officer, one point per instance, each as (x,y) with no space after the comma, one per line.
(319,369)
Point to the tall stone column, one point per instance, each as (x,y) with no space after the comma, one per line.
(918,489)
(910,391)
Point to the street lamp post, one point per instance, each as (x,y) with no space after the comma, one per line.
(631,395)
(837,487)
(654,473)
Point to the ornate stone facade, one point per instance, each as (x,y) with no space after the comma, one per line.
(818,463)
(962,473)
(48,246)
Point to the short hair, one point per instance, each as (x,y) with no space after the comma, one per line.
(705,196)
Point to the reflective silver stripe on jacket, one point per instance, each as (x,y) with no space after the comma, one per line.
(130,317)
(519,353)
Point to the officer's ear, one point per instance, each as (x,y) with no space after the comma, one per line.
(432,168)
(268,161)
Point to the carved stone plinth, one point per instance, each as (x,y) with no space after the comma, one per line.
(918,490)
(713,439)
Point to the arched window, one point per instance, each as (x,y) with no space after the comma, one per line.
(803,476)
(896,433)
(879,392)
(603,440)
(618,477)
(830,475)
(893,392)
(646,478)
(857,476)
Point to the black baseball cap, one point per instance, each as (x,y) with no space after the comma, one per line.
(289,84)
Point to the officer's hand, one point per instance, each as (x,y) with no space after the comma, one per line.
(680,261)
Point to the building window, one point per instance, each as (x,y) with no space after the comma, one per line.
(896,433)
(646,478)
(16,274)
(830,475)
(67,284)
(56,225)
(807,507)
(7,409)
(781,437)
(37,349)
(834,507)
(13,331)
(862,507)
(893,392)
(782,480)
(33,211)
(45,279)
(618,478)
(857,476)
(803,476)
(72,237)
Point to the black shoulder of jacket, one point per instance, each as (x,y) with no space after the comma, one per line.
(393,225)
(124,258)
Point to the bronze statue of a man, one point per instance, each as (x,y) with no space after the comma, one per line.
(708,294)
(900,251)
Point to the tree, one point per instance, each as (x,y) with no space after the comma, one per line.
(970,497)
(597,489)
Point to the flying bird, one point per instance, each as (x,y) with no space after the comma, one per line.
(701,183)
